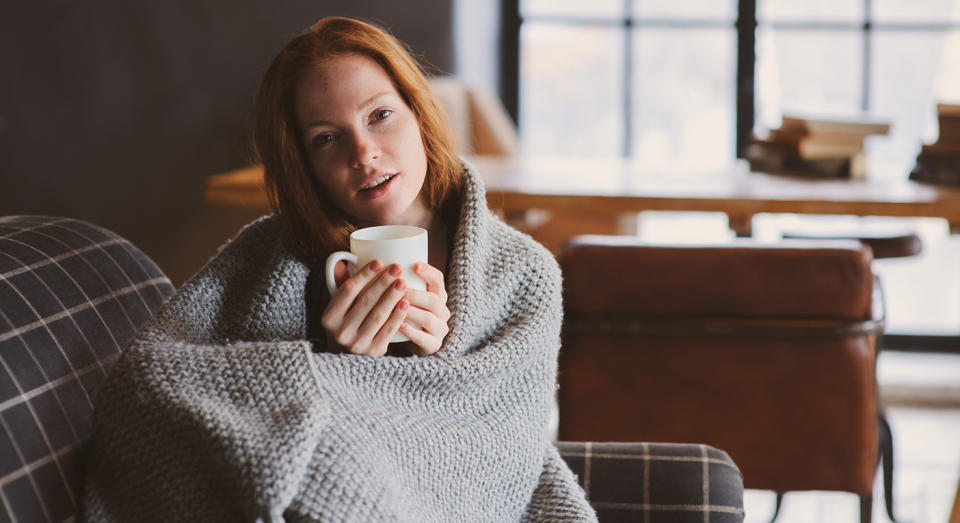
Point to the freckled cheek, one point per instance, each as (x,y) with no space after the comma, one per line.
(413,146)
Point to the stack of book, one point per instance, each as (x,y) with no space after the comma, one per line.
(939,162)
(814,146)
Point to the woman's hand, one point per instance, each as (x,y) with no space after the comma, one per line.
(429,311)
(368,309)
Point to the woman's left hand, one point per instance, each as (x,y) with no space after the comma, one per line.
(428,309)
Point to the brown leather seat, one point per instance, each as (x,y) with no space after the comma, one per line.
(766,351)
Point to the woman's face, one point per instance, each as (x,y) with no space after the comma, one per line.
(363,143)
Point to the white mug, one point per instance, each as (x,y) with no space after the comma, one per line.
(401,244)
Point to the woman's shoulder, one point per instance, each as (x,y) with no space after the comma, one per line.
(262,234)
(257,246)
(494,234)
(520,251)
(512,239)
(264,228)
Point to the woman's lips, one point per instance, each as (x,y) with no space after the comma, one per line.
(381,189)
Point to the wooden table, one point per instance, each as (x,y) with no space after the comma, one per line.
(609,187)
(591,195)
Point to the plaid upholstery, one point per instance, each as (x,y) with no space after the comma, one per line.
(650,482)
(72,295)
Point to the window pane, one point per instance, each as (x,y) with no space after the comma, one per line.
(916,10)
(571,89)
(592,9)
(810,10)
(947,85)
(906,67)
(808,71)
(683,97)
(687,9)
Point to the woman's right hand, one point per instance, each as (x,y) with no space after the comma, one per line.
(367,309)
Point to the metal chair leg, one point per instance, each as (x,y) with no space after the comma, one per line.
(886,457)
(884,433)
(776,509)
(866,509)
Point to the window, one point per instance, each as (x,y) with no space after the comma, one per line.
(657,80)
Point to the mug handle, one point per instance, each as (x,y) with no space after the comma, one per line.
(332,262)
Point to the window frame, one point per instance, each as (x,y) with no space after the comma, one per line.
(745,25)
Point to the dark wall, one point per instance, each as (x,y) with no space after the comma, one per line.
(116,111)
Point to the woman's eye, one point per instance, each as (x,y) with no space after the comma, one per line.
(322,139)
(381,114)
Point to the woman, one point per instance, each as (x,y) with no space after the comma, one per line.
(341,108)
(222,409)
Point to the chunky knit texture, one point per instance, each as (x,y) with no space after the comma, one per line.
(220,411)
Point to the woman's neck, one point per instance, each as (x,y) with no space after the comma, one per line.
(417,215)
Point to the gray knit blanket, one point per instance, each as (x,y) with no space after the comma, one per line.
(220,411)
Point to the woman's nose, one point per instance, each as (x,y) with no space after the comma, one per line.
(366,150)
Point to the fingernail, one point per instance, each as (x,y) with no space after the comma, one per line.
(395,270)
(403,305)
(399,285)
(375,265)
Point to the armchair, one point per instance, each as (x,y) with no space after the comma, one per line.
(73,295)
(764,350)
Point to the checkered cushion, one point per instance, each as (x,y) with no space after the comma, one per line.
(652,482)
(72,295)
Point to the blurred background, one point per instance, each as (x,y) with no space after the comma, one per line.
(661,81)
(116,113)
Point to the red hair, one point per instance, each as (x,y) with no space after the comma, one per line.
(312,223)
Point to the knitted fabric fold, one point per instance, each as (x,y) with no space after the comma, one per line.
(220,411)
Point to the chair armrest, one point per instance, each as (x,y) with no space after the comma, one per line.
(667,481)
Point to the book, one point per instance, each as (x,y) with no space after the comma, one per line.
(769,156)
(824,167)
(945,109)
(815,146)
(783,135)
(936,172)
(939,162)
(858,166)
(770,143)
(940,148)
(797,137)
(821,155)
(950,136)
(948,120)
(835,138)
(815,149)
(855,124)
